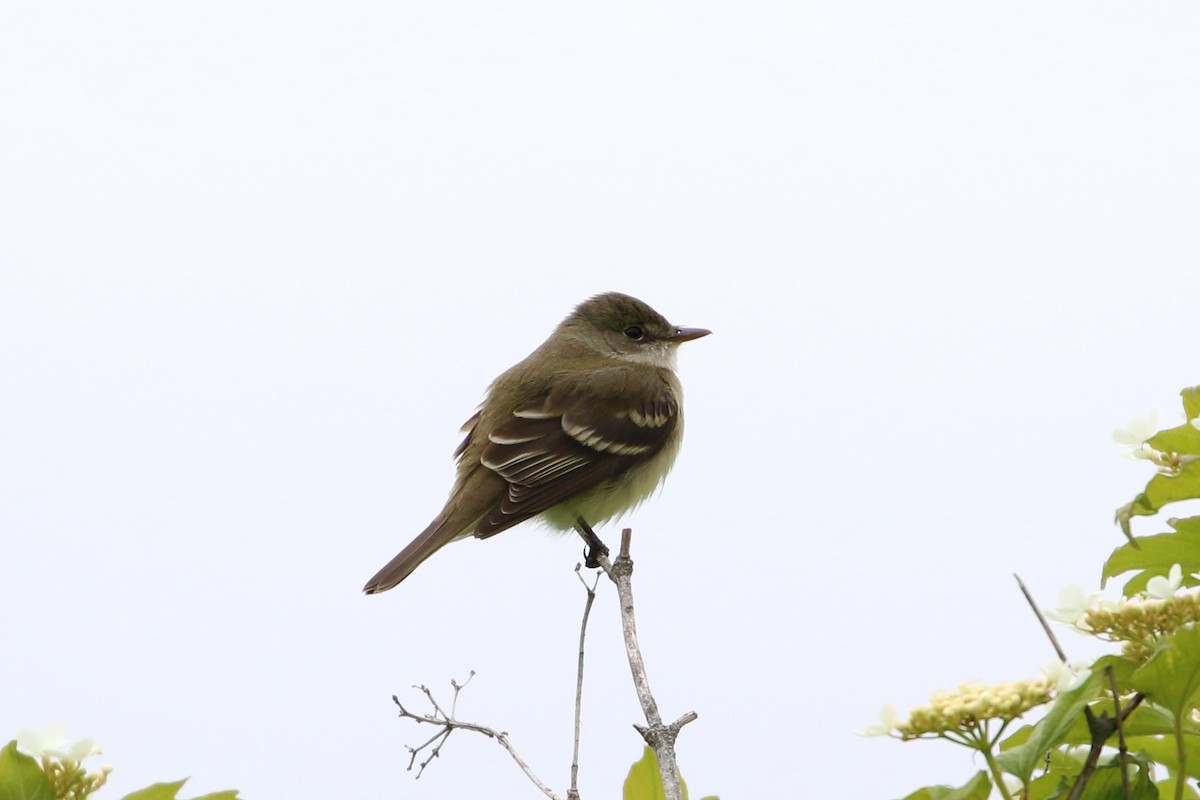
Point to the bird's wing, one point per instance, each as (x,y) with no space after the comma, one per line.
(468,428)
(579,435)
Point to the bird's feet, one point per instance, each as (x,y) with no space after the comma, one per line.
(595,549)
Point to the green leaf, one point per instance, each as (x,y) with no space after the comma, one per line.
(1183,439)
(21,777)
(1162,750)
(1191,402)
(1155,555)
(1149,720)
(1166,788)
(644,781)
(1122,667)
(1146,721)
(1049,786)
(1051,730)
(168,791)
(1105,783)
(1171,678)
(1060,775)
(1162,489)
(1138,507)
(159,791)
(1019,736)
(978,788)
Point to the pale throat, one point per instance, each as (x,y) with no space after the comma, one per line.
(662,356)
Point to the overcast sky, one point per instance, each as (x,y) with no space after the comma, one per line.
(259,261)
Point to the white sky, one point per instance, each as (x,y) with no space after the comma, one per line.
(258,261)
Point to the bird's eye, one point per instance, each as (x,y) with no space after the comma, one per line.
(634,332)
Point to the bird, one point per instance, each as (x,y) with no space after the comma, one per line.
(583,429)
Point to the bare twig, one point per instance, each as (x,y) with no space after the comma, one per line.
(1101,726)
(660,737)
(1122,751)
(449,724)
(573,792)
(1045,625)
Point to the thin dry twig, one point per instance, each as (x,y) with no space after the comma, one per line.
(660,737)
(1101,727)
(1062,656)
(449,724)
(1122,751)
(573,792)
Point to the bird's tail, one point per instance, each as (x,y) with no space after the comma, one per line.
(442,531)
(476,490)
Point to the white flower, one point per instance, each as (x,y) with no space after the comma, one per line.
(1058,673)
(1162,588)
(52,743)
(1066,677)
(1132,439)
(1113,605)
(1073,605)
(886,724)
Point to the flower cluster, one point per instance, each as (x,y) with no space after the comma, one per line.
(1139,626)
(1134,443)
(62,761)
(964,709)
(1139,623)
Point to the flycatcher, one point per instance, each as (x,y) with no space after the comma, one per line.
(581,431)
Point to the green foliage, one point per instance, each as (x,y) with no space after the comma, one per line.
(21,778)
(1149,721)
(1171,678)
(169,791)
(1073,748)
(157,791)
(978,788)
(1191,402)
(1059,773)
(60,774)
(645,783)
(1106,783)
(1161,490)
(1163,750)
(1155,555)
(1170,788)
(1051,731)
(1175,451)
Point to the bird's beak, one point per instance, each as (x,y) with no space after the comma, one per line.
(687,334)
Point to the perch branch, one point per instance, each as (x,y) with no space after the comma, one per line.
(660,737)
